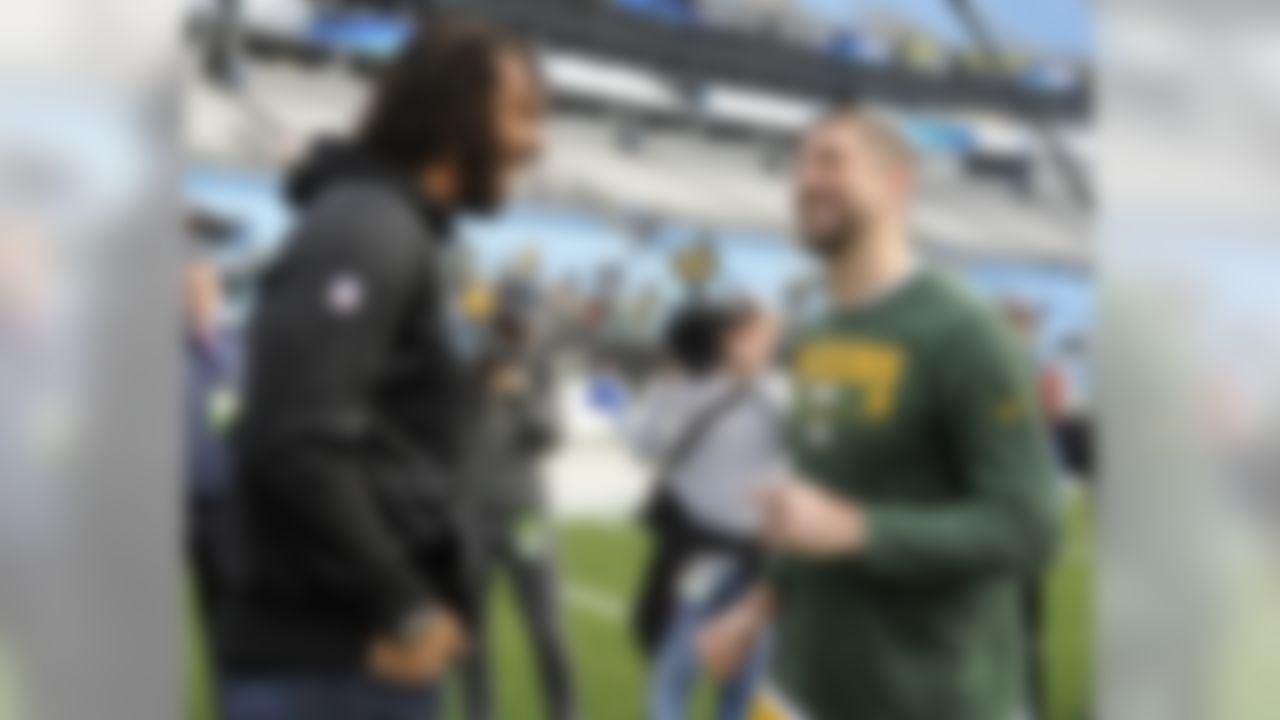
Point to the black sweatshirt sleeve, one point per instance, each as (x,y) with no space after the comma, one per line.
(323,324)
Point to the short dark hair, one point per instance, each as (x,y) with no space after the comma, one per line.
(698,335)
(434,101)
(693,338)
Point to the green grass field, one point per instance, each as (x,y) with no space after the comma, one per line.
(600,563)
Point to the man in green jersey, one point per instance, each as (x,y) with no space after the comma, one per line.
(923,499)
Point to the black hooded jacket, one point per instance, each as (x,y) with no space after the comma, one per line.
(350,436)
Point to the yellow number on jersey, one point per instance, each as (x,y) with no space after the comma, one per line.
(874,368)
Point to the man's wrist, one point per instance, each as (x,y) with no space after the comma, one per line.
(856,529)
(760,603)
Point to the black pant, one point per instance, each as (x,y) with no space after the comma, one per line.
(677,537)
(534,579)
(337,696)
(654,608)
(208,551)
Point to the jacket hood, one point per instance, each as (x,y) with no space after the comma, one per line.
(328,162)
(332,161)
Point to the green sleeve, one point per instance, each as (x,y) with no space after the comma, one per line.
(775,571)
(1006,521)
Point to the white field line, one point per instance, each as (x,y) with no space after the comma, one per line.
(595,602)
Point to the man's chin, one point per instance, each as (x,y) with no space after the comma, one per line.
(827,246)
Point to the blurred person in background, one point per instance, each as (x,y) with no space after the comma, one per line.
(212,392)
(354,595)
(1060,399)
(506,505)
(519,284)
(1074,428)
(638,349)
(690,348)
(923,498)
(565,306)
(1049,384)
(711,428)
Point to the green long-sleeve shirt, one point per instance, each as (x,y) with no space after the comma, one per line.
(921,409)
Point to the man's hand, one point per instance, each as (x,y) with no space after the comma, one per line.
(423,657)
(725,643)
(803,519)
(509,380)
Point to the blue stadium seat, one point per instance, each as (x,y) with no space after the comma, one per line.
(373,35)
(678,12)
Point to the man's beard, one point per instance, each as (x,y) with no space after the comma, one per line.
(840,239)
(479,191)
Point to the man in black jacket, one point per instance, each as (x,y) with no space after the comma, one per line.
(353,596)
